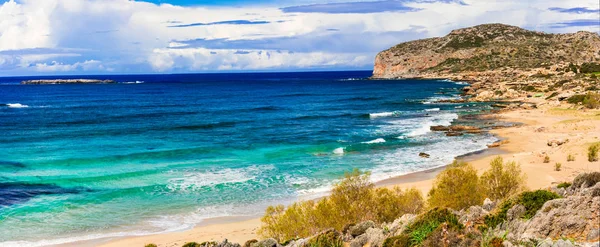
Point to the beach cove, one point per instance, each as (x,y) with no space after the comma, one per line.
(527,145)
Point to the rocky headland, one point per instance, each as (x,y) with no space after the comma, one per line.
(500,62)
(67,81)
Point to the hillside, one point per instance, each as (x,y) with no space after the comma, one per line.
(486,47)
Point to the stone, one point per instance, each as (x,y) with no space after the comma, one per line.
(360,228)
(557,142)
(497,144)
(593,235)
(359,241)
(269,242)
(515,212)
(452,133)
(563,243)
(439,128)
(250,242)
(375,237)
(424,155)
(488,204)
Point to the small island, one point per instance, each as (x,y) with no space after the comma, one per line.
(67,81)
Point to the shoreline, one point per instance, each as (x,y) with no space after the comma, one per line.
(519,149)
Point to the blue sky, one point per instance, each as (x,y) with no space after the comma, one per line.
(49,37)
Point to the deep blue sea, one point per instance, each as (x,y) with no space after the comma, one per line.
(158,153)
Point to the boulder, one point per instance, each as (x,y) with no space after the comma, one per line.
(462,128)
(439,128)
(360,228)
(488,204)
(424,155)
(359,241)
(375,237)
(269,242)
(557,142)
(453,133)
(497,144)
(515,212)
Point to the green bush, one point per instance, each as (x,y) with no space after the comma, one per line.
(456,187)
(570,158)
(191,244)
(532,201)
(425,224)
(589,68)
(353,200)
(590,179)
(563,185)
(150,245)
(547,159)
(502,179)
(593,152)
(557,166)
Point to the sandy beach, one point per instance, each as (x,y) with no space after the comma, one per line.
(527,145)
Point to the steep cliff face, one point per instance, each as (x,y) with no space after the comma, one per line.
(484,48)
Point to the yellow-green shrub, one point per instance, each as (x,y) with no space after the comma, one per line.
(502,179)
(456,187)
(593,152)
(353,200)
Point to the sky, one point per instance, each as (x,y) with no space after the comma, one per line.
(61,37)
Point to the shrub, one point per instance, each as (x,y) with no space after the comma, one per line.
(593,152)
(532,201)
(328,238)
(502,179)
(570,158)
(191,244)
(402,240)
(456,187)
(150,245)
(425,224)
(589,179)
(250,242)
(547,159)
(563,185)
(354,199)
(590,100)
(557,166)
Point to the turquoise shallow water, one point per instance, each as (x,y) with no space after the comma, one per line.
(163,152)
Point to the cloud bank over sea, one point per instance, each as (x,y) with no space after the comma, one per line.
(178,36)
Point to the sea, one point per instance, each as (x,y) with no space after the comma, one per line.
(162,153)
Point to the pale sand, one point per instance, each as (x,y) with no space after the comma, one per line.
(527,146)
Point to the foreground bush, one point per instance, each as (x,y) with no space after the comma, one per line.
(423,227)
(587,179)
(532,201)
(593,152)
(353,200)
(502,179)
(590,100)
(456,187)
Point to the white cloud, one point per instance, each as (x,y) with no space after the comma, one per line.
(124,33)
(88,65)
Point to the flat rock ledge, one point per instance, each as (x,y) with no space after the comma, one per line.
(67,81)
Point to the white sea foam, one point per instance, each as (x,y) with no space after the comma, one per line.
(416,126)
(443,151)
(378,140)
(16,105)
(338,151)
(195,180)
(384,114)
(132,82)
(432,109)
